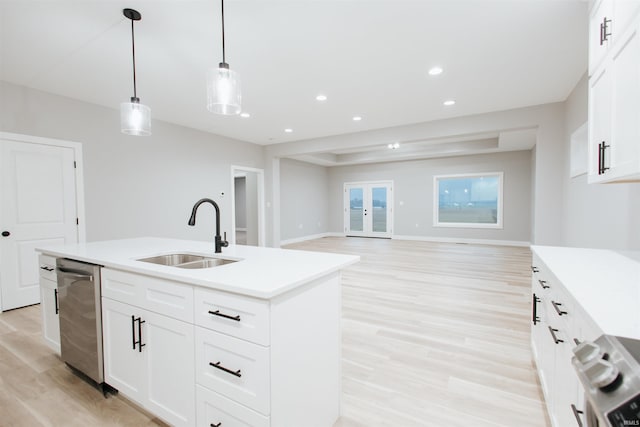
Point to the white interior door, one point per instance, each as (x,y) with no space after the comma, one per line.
(38,194)
(368,209)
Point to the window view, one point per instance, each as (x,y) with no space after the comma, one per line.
(473,200)
(355,208)
(379,206)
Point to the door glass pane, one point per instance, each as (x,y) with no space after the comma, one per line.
(379,209)
(355,209)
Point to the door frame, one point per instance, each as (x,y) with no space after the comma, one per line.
(347,217)
(237,170)
(79,174)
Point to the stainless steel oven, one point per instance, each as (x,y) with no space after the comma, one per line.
(609,370)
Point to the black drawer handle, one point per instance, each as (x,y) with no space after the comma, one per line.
(534,269)
(215,425)
(557,305)
(226,316)
(543,283)
(534,316)
(553,335)
(229,371)
(46,268)
(577,413)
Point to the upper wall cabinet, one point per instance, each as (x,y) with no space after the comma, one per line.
(614,91)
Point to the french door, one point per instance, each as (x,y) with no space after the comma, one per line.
(368,209)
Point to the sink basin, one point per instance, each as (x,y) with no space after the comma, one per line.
(187,261)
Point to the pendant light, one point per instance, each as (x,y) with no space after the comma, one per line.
(223,85)
(135,118)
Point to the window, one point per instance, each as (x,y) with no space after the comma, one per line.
(469,200)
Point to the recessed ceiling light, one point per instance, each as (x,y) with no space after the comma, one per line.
(245,115)
(393,146)
(449,103)
(321,97)
(435,71)
(357,118)
(288,130)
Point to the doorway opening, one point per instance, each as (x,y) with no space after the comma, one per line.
(247,206)
(368,209)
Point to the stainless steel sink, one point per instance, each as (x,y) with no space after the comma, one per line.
(187,261)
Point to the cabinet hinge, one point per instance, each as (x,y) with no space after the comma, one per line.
(77,221)
(75,166)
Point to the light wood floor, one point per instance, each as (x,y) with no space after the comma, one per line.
(433,335)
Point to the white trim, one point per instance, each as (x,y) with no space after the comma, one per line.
(499,211)
(492,242)
(261,215)
(310,237)
(79,171)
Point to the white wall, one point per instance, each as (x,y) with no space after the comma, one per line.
(413,194)
(135,186)
(596,215)
(304,196)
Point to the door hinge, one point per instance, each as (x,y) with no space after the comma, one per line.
(77,221)
(75,166)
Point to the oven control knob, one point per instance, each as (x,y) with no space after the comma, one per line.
(602,374)
(587,352)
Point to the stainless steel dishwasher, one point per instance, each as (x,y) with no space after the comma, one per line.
(80,311)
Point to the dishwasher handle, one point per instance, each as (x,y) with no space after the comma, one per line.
(78,274)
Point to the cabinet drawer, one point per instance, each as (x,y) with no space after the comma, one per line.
(234,315)
(47,267)
(161,296)
(241,370)
(213,409)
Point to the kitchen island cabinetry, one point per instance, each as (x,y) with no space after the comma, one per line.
(577,295)
(254,342)
(49,302)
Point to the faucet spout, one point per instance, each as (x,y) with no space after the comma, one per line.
(219,243)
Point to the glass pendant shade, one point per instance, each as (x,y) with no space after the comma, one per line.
(135,118)
(223,91)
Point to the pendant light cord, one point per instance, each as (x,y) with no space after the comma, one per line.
(223,55)
(133,51)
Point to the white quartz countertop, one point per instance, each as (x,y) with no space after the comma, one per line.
(605,283)
(261,272)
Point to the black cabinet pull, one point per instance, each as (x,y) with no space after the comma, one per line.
(577,413)
(577,341)
(543,283)
(140,344)
(46,268)
(604,30)
(229,371)
(557,305)
(55,298)
(553,334)
(226,316)
(602,147)
(534,269)
(6,234)
(133,331)
(534,316)
(215,425)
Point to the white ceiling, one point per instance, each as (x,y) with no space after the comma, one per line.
(369,57)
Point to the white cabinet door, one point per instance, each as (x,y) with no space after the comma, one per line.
(599,122)
(49,311)
(148,357)
(124,363)
(625,114)
(169,348)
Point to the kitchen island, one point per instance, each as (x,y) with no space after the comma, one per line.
(252,342)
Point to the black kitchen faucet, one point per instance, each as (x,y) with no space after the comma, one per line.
(218,240)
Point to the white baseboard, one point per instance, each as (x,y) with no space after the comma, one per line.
(461,240)
(310,237)
(417,238)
